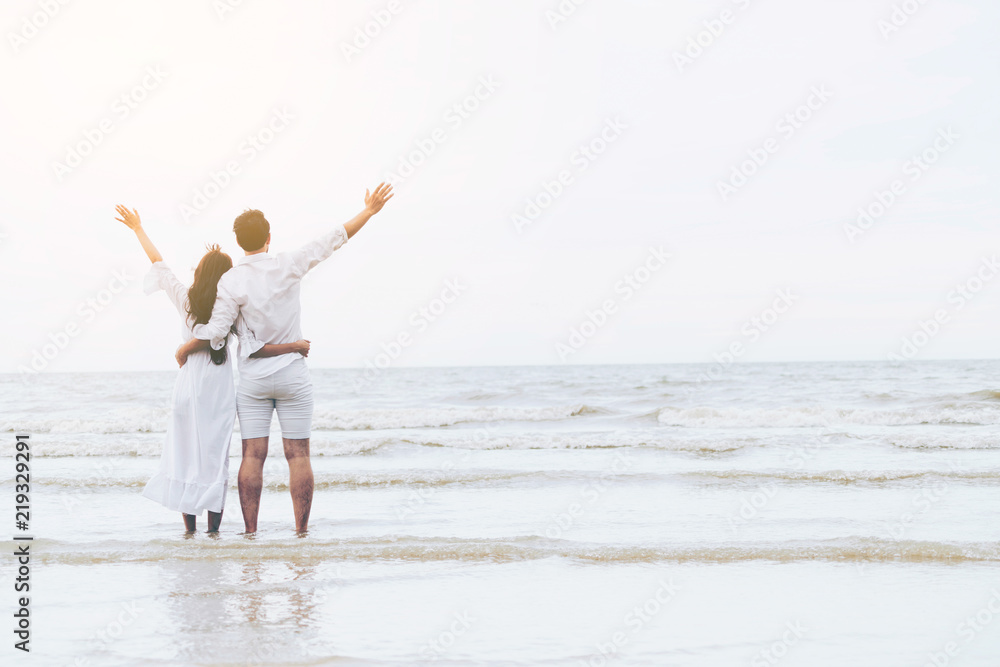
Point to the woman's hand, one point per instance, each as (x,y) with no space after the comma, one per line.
(130,218)
(302,347)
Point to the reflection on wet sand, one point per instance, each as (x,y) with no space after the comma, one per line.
(253,610)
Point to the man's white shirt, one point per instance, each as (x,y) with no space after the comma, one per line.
(264,289)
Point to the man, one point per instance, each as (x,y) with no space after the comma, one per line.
(264,290)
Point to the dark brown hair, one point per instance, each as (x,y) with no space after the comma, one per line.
(252,229)
(201,296)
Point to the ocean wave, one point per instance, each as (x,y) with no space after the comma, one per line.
(346,444)
(536,478)
(350,444)
(954,440)
(980,395)
(47,445)
(154,420)
(314,548)
(375,419)
(985,395)
(133,420)
(709,417)
(151,445)
(846,477)
(345,480)
(594,440)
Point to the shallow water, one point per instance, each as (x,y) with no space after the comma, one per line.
(801,514)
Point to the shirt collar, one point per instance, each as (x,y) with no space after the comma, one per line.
(247,259)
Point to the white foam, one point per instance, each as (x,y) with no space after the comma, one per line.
(710,417)
(374,419)
(154,420)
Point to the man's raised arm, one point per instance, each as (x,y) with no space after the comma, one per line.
(373,204)
(311,254)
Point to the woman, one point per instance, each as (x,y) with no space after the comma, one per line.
(194,468)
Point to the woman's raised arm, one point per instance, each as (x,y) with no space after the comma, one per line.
(132,221)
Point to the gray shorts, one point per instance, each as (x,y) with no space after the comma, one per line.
(288,391)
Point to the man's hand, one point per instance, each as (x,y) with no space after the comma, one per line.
(188,348)
(129,218)
(302,347)
(376,200)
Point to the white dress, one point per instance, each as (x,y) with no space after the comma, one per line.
(194,467)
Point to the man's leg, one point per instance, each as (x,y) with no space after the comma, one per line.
(251,480)
(294,405)
(300,475)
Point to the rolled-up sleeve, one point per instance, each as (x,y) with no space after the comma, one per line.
(224,314)
(300,261)
(248,341)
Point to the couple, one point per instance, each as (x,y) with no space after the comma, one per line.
(257,301)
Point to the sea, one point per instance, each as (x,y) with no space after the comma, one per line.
(757,514)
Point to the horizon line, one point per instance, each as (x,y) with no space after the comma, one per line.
(565,365)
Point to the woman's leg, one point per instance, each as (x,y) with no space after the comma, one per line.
(214,520)
(190,522)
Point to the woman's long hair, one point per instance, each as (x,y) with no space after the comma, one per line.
(201,295)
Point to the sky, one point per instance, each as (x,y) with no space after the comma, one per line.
(606,182)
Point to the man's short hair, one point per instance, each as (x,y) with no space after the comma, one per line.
(252,229)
